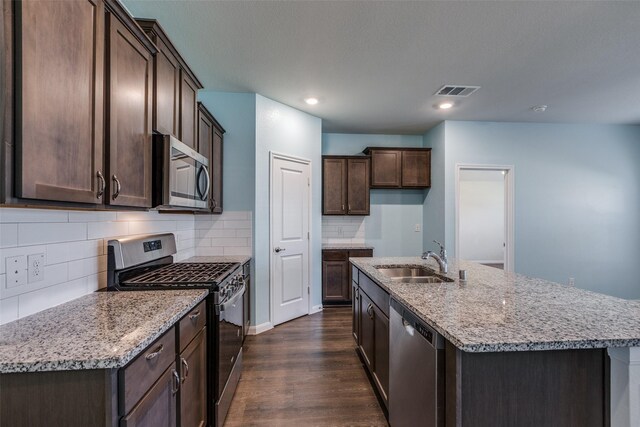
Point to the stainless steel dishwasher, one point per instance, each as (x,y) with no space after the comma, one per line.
(416,371)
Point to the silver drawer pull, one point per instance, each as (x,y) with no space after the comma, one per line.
(118,187)
(176,382)
(156,352)
(185,371)
(195,315)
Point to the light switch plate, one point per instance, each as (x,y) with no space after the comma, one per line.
(36,268)
(16,268)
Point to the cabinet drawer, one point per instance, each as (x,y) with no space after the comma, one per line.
(329,255)
(378,295)
(192,323)
(365,253)
(139,375)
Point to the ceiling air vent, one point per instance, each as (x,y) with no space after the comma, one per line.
(457,90)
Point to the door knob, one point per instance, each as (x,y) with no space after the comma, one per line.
(278,250)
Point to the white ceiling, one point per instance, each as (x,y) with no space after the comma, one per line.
(375,65)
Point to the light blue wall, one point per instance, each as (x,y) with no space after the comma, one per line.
(284,130)
(236,112)
(577,197)
(390,227)
(434,216)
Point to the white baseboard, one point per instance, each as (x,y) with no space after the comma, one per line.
(316,309)
(258,329)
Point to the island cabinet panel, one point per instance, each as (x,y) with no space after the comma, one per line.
(367,331)
(400,167)
(560,388)
(345,185)
(130,90)
(59,100)
(355,313)
(336,274)
(381,352)
(188,110)
(158,408)
(193,390)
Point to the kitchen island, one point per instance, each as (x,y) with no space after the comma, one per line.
(520,347)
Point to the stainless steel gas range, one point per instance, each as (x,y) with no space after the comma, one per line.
(146,263)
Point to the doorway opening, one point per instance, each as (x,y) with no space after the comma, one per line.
(484,215)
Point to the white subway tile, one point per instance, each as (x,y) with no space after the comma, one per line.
(34,215)
(82,216)
(98,230)
(217,232)
(64,252)
(87,267)
(207,225)
(243,232)
(182,255)
(33,234)
(234,215)
(230,251)
(237,224)
(42,299)
(8,310)
(147,227)
(201,251)
(185,225)
(185,244)
(202,241)
(229,241)
(8,235)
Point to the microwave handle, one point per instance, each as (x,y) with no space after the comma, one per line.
(203,194)
(206,192)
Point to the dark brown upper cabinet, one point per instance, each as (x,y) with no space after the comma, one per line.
(176,88)
(82,104)
(345,185)
(129,94)
(400,167)
(210,140)
(59,126)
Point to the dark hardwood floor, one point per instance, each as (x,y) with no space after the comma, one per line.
(305,373)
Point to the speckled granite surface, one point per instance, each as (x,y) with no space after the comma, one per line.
(98,331)
(499,311)
(338,246)
(235,258)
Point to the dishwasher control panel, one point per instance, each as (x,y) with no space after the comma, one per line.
(425,332)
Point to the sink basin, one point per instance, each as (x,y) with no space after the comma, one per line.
(412,274)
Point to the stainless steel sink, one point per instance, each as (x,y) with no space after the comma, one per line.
(412,274)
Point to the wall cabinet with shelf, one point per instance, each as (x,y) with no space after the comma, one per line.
(400,167)
(210,140)
(345,185)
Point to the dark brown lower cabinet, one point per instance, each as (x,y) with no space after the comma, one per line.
(193,391)
(336,274)
(158,407)
(355,310)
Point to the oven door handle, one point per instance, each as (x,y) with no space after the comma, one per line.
(236,297)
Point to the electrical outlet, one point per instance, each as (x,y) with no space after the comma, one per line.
(572,281)
(417,228)
(36,268)
(16,268)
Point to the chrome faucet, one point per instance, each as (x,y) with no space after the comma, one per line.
(441,260)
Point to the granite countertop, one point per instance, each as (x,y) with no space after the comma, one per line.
(500,311)
(103,330)
(337,246)
(213,259)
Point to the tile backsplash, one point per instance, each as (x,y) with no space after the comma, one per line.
(74,248)
(343,229)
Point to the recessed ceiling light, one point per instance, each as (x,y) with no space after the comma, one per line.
(539,108)
(445,105)
(311,101)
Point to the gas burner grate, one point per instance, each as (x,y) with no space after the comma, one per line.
(185,273)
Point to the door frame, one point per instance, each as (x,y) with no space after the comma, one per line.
(509,187)
(273,155)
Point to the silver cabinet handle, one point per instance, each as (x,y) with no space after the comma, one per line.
(103,184)
(118,187)
(369,311)
(278,250)
(343,206)
(194,316)
(185,369)
(176,382)
(155,353)
(349,207)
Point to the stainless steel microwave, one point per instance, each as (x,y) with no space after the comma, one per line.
(181,176)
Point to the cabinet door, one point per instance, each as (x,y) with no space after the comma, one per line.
(416,168)
(358,186)
(381,351)
(335,281)
(188,110)
(367,336)
(193,375)
(167,89)
(158,407)
(59,100)
(216,172)
(385,168)
(355,308)
(205,134)
(129,116)
(334,188)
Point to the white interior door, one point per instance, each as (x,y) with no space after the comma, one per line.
(290,213)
